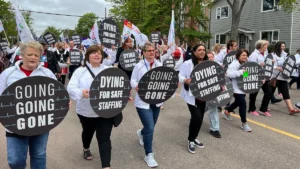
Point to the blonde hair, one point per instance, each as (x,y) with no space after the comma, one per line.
(216,48)
(260,43)
(60,45)
(147,45)
(32,44)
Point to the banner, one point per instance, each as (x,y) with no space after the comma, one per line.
(109,33)
(33,105)
(288,66)
(23,29)
(94,34)
(128,59)
(109,92)
(158,85)
(76,39)
(171,37)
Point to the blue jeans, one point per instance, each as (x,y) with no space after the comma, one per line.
(213,117)
(149,118)
(17,148)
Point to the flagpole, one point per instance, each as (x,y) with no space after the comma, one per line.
(5,35)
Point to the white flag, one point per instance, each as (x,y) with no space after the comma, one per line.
(129,29)
(1,26)
(62,37)
(171,37)
(23,29)
(94,34)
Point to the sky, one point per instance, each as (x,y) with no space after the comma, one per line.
(70,7)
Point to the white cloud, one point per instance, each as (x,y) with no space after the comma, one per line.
(70,7)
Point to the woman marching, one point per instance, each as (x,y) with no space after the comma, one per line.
(240,97)
(148,113)
(62,56)
(280,56)
(196,107)
(258,56)
(78,89)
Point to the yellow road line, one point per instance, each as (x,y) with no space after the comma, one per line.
(269,127)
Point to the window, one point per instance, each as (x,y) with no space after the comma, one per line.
(271,36)
(269,5)
(222,12)
(221,39)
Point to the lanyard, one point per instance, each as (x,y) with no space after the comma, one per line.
(146,65)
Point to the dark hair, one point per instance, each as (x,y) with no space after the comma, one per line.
(194,59)
(126,41)
(277,48)
(298,50)
(239,53)
(230,43)
(90,50)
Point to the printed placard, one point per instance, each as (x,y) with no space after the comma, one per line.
(288,66)
(49,38)
(4,46)
(228,59)
(158,85)
(109,33)
(76,39)
(75,55)
(169,63)
(128,59)
(109,92)
(251,81)
(268,67)
(225,96)
(155,37)
(207,79)
(33,105)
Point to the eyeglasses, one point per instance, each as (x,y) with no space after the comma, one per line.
(150,50)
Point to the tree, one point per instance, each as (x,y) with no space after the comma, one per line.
(155,15)
(85,24)
(56,32)
(237,8)
(7,18)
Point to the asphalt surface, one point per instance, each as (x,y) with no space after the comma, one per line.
(274,142)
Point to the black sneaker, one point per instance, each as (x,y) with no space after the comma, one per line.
(198,144)
(297,105)
(220,109)
(191,147)
(276,101)
(215,133)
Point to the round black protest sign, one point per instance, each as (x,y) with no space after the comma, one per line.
(207,79)
(109,92)
(76,39)
(128,59)
(268,67)
(75,55)
(226,94)
(288,66)
(4,46)
(109,33)
(49,38)
(155,37)
(251,80)
(169,63)
(158,85)
(228,59)
(33,105)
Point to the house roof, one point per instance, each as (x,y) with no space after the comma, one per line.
(241,30)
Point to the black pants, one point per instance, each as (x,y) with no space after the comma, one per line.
(62,79)
(240,101)
(72,69)
(265,101)
(284,89)
(197,114)
(295,79)
(103,128)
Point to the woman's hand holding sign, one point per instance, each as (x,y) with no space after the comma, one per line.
(187,81)
(279,69)
(85,93)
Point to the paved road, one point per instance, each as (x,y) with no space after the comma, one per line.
(274,142)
